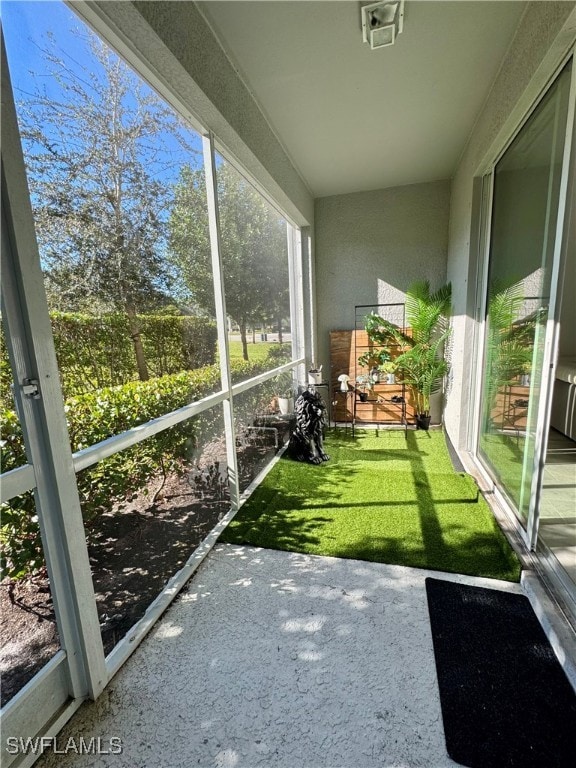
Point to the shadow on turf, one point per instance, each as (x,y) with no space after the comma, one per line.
(475,555)
(480,554)
(293,534)
(275,532)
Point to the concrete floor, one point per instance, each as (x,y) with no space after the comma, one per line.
(558,501)
(281,660)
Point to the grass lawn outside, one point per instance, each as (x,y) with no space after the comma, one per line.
(389,497)
(258,351)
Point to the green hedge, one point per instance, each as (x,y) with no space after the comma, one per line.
(96,416)
(97,352)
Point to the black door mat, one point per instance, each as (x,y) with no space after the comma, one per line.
(505,699)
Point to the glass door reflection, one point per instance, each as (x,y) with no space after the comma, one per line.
(523,231)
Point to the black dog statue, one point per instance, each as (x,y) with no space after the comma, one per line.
(306,441)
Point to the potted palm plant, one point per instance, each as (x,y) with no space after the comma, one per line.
(421,365)
(510,339)
(423,370)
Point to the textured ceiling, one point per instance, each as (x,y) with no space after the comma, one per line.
(353,119)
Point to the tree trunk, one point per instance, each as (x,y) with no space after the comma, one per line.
(244,341)
(143,374)
(253,334)
(280,330)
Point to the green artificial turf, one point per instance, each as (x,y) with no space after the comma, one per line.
(389,496)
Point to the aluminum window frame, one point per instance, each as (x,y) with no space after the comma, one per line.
(77,670)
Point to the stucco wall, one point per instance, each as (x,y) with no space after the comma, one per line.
(371,245)
(542,39)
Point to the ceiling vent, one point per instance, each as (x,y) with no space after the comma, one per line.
(382,23)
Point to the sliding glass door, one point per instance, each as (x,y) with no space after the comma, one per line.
(527,204)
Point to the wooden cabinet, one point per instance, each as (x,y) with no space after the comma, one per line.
(341,362)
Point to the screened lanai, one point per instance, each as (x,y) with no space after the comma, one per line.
(197,198)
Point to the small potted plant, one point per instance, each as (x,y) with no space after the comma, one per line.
(389,368)
(315,375)
(374,359)
(363,385)
(525,374)
(286,402)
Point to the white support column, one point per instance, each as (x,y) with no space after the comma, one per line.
(296,298)
(221,318)
(310,347)
(31,347)
(471,402)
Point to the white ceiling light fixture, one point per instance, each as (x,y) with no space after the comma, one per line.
(382,22)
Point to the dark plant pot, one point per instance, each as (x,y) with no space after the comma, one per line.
(422,421)
(363,397)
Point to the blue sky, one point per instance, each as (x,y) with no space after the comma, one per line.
(26,24)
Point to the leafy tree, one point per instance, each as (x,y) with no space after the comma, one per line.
(254,258)
(100,148)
